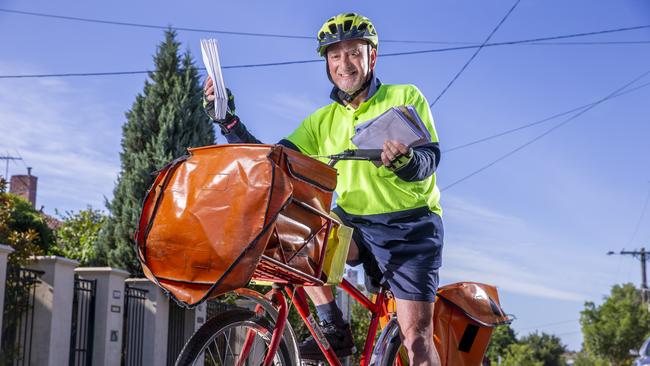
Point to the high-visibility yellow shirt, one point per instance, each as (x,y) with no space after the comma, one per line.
(362,188)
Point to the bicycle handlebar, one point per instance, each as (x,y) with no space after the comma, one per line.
(356,154)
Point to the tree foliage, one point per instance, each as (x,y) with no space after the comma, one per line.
(502,337)
(22,227)
(520,354)
(77,236)
(163,122)
(585,359)
(535,347)
(621,323)
(546,348)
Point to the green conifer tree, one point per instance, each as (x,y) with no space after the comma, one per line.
(163,122)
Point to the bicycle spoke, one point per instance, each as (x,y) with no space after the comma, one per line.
(242,343)
(214,362)
(260,355)
(252,351)
(229,346)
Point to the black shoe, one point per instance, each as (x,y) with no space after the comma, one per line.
(339,338)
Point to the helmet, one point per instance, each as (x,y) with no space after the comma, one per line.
(343,27)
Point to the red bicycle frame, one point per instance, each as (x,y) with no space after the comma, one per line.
(377,309)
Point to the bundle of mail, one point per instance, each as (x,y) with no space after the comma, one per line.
(401,123)
(210,51)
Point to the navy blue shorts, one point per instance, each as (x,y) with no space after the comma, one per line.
(401,249)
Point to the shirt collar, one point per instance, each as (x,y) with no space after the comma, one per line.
(375,83)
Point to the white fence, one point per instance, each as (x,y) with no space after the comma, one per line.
(94,317)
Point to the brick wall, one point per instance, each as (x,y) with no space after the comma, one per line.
(25,186)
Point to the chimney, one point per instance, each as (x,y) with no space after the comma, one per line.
(25,186)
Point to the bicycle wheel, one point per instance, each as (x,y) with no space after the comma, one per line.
(234,337)
(388,348)
(395,352)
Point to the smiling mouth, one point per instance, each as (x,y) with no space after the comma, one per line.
(348,74)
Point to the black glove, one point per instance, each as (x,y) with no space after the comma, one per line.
(401,160)
(230,120)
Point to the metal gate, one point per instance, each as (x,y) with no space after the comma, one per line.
(133,331)
(83,322)
(215,307)
(175,333)
(18,316)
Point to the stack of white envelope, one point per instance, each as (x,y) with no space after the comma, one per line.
(210,51)
(401,124)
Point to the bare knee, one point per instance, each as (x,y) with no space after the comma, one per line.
(415,319)
(419,337)
(421,348)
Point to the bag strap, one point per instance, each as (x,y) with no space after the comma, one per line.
(165,174)
(496,310)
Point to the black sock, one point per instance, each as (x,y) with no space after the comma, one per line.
(330,313)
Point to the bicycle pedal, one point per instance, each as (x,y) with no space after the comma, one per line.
(307,362)
(312,363)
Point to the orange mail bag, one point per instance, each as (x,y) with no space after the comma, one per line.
(224,214)
(465,316)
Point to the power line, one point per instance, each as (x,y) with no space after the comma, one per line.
(642,256)
(638,223)
(568,333)
(393,54)
(7,158)
(272,35)
(475,53)
(150,26)
(70,74)
(525,41)
(515,129)
(22,160)
(549,324)
(112,73)
(587,43)
(199,30)
(540,136)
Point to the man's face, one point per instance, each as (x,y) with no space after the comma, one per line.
(348,65)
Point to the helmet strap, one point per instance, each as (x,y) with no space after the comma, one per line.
(348,98)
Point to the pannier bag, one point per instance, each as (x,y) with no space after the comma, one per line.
(224,214)
(464,317)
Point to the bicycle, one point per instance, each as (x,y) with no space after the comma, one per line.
(285,198)
(264,336)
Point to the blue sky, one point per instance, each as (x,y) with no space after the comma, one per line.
(537,224)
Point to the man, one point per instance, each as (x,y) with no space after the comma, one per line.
(394,209)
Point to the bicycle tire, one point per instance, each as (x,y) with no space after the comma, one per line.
(392,353)
(215,337)
(387,347)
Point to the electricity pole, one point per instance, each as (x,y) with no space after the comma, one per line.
(642,255)
(6,159)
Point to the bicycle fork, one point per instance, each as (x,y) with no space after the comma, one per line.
(278,299)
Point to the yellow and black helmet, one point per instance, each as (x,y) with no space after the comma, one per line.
(344,27)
